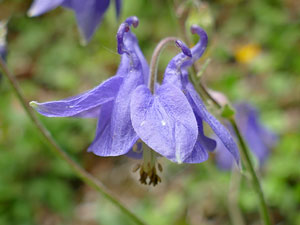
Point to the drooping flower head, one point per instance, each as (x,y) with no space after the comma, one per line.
(168,120)
(89,13)
(258,138)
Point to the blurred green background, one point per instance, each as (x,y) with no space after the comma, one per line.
(254,47)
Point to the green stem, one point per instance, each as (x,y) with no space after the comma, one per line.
(255,181)
(154,61)
(247,160)
(233,208)
(84,175)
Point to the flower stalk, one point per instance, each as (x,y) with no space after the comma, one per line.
(245,156)
(245,153)
(80,172)
(246,159)
(154,61)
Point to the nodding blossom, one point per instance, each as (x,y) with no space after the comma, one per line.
(258,138)
(89,13)
(136,121)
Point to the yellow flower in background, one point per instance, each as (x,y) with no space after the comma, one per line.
(246,53)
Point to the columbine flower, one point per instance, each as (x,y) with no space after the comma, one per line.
(177,74)
(168,120)
(88,13)
(258,138)
(110,100)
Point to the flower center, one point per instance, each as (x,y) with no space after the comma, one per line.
(148,169)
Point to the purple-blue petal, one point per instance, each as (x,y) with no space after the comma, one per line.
(115,135)
(118,6)
(202,145)
(128,44)
(200,109)
(173,72)
(165,121)
(208,143)
(39,7)
(88,13)
(102,143)
(198,155)
(122,131)
(224,159)
(83,105)
(199,48)
(118,135)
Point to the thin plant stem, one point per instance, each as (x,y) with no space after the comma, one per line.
(154,61)
(234,187)
(247,160)
(84,175)
(201,88)
(255,181)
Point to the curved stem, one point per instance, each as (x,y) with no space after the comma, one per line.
(154,61)
(234,187)
(84,175)
(255,180)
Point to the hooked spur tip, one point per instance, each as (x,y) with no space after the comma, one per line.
(184,48)
(194,29)
(133,20)
(32,12)
(124,27)
(33,104)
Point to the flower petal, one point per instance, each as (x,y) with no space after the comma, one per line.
(41,6)
(118,5)
(103,142)
(216,126)
(119,135)
(89,14)
(199,48)
(101,145)
(202,145)
(223,157)
(122,131)
(165,122)
(83,105)
(198,155)
(208,143)
(129,48)
(177,67)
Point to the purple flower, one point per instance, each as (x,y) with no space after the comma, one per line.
(109,101)
(169,120)
(258,137)
(177,74)
(88,13)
